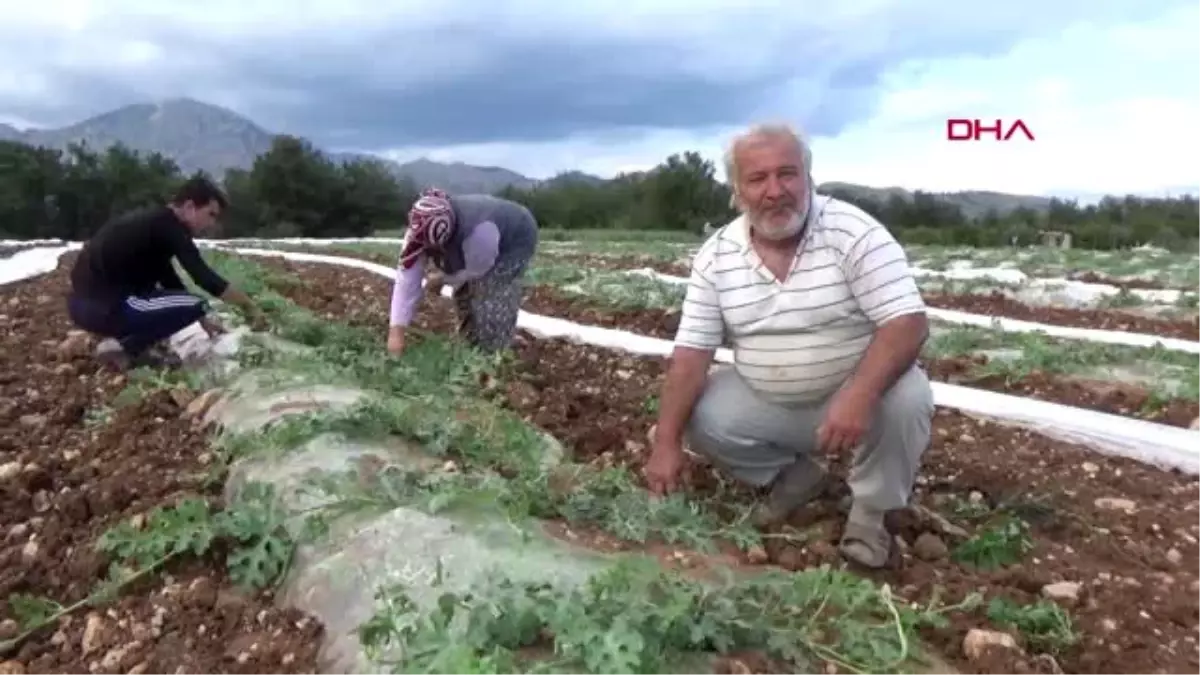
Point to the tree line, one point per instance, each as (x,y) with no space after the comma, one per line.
(295,190)
(291,191)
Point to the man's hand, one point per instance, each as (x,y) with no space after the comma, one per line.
(257,320)
(664,466)
(395,340)
(212,327)
(847,420)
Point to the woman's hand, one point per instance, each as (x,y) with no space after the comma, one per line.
(395,340)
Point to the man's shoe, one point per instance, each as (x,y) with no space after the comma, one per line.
(149,359)
(164,356)
(111,355)
(795,486)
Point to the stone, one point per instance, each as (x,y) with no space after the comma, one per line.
(92,633)
(1116,504)
(199,406)
(1174,556)
(9,470)
(1062,592)
(978,641)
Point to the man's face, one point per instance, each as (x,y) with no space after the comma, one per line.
(772,185)
(200,218)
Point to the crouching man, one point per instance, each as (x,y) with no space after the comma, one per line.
(124,287)
(826,323)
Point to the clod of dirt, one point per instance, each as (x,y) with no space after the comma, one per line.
(12,668)
(76,344)
(201,593)
(930,547)
(757,555)
(9,629)
(791,558)
(979,642)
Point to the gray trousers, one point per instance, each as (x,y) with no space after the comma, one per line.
(754,439)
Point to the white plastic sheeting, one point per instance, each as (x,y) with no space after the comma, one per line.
(1017,326)
(32,262)
(1156,444)
(1082,291)
(305,241)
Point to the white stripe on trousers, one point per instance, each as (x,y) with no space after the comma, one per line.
(161,302)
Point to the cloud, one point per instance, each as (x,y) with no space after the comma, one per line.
(1111,108)
(543,86)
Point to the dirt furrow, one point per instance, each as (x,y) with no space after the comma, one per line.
(77,457)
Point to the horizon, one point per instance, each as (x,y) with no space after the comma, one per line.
(1082,197)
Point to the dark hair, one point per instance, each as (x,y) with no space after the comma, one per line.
(199,190)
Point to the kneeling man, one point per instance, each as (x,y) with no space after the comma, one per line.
(124,287)
(826,322)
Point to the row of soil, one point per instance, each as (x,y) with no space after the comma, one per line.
(1121,532)
(1126,284)
(680,268)
(74,461)
(993,304)
(990,304)
(1118,398)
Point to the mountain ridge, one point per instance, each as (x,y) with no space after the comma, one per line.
(199,135)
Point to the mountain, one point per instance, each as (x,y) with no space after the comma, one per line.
(199,135)
(974,203)
(460,177)
(196,135)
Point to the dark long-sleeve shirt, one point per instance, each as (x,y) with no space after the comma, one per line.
(132,254)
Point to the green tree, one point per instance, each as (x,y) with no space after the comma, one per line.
(295,190)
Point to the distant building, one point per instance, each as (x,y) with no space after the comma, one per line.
(1055,239)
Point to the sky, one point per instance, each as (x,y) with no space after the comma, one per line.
(1110,89)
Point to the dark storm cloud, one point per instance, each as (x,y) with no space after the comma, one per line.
(467,81)
(526,93)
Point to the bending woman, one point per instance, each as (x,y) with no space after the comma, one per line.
(480,246)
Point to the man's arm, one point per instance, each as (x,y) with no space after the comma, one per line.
(189,258)
(188,255)
(701,332)
(882,282)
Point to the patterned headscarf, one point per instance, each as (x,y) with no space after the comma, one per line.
(430,224)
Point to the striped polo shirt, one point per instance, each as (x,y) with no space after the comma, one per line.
(798,340)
